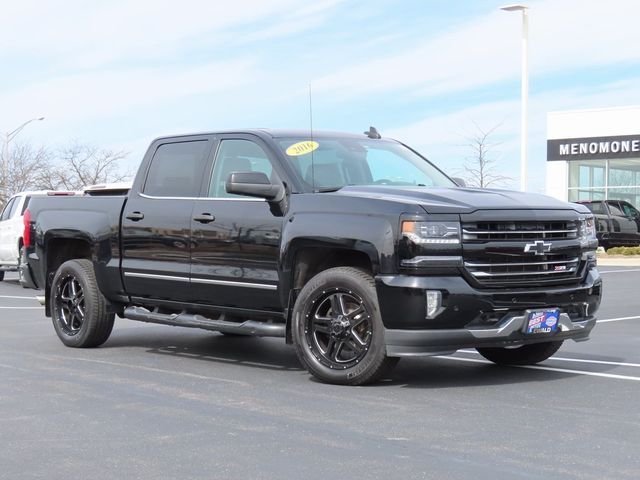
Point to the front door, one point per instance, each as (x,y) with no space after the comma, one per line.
(156,221)
(236,239)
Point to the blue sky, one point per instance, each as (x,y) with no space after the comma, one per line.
(119,73)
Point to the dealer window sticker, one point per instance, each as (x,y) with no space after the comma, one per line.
(302,148)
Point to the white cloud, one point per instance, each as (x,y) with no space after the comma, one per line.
(563,35)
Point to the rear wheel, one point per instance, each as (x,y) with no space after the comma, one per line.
(524,355)
(337,328)
(78,308)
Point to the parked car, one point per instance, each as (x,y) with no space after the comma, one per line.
(12,228)
(354,248)
(617,222)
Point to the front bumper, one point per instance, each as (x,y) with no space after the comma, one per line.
(472,317)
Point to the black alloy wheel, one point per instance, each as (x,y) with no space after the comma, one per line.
(338,328)
(79,311)
(70,305)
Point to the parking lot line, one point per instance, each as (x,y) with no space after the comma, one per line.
(549,369)
(605,320)
(578,360)
(15,296)
(620,271)
(22,308)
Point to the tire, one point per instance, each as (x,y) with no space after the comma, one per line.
(78,308)
(345,344)
(1,275)
(524,355)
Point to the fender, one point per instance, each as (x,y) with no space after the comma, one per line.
(348,231)
(99,228)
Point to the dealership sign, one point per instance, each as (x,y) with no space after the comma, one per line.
(594,148)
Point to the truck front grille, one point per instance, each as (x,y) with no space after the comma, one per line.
(522,253)
(526,230)
(503,269)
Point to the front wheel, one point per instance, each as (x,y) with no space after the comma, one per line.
(337,328)
(78,308)
(524,355)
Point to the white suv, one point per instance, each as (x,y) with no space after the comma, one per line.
(12,228)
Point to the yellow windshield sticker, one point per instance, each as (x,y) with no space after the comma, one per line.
(302,148)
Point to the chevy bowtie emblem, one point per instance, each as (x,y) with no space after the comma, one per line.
(539,247)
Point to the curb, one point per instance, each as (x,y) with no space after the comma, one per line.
(619,260)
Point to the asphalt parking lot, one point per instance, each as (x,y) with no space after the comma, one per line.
(166,402)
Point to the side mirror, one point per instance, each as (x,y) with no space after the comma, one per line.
(459,181)
(254,184)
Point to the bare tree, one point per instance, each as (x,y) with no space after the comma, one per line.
(480,167)
(78,165)
(24,167)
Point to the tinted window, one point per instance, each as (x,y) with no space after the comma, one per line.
(596,207)
(615,210)
(25,205)
(629,210)
(176,170)
(238,156)
(7,209)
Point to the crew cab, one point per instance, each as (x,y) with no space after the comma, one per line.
(354,248)
(617,222)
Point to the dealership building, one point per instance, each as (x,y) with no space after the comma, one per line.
(594,154)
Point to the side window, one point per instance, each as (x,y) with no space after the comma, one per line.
(176,170)
(615,209)
(25,205)
(629,210)
(236,155)
(14,207)
(7,209)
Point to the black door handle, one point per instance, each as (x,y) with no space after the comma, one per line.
(135,216)
(204,218)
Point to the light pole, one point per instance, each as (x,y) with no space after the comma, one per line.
(5,153)
(524,89)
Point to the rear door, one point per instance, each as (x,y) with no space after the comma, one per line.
(7,232)
(236,239)
(156,220)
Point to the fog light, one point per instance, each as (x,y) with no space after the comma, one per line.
(434,303)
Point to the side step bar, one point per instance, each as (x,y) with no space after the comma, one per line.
(249,327)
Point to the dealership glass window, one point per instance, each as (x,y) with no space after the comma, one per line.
(587,174)
(605,179)
(576,195)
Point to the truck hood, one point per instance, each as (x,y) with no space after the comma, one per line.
(461,200)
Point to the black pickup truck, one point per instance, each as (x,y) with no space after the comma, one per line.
(354,248)
(617,222)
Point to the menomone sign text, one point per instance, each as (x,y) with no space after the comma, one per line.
(594,148)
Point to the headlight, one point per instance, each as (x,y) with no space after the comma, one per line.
(431,232)
(587,229)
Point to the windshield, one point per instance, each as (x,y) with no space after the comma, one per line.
(338,162)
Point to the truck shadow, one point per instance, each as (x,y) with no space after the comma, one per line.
(265,353)
(273,354)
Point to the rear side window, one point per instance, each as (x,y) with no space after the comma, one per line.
(14,207)
(7,209)
(176,170)
(25,205)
